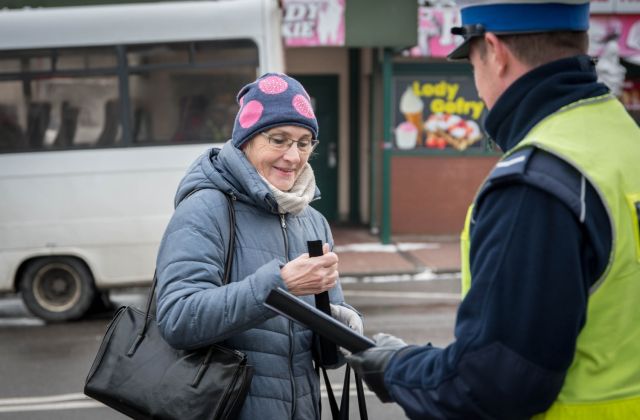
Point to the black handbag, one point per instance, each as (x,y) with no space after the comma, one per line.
(137,373)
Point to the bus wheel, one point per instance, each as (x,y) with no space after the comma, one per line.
(57,288)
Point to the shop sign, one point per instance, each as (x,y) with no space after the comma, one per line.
(435,23)
(437,113)
(625,27)
(434,32)
(313,23)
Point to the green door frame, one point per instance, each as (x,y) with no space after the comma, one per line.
(385,230)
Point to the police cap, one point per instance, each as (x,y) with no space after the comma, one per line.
(505,17)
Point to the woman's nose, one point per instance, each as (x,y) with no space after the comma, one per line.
(292,153)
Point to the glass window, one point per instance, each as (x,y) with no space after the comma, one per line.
(69,98)
(56,60)
(58,113)
(192,102)
(20,62)
(86,58)
(144,55)
(55,99)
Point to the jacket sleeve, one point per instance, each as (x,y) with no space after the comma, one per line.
(193,309)
(517,327)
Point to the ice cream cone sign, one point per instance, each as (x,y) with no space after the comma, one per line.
(411,107)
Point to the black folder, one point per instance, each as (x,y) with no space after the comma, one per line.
(297,310)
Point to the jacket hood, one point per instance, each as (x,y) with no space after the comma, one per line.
(227,169)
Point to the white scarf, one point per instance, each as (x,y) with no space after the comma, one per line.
(299,196)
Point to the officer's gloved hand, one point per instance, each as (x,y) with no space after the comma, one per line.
(371,363)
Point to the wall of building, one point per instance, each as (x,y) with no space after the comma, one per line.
(430,195)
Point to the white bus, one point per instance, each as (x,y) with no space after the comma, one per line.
(102,109)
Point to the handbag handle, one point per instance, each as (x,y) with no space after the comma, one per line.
(342,413)
(227,269)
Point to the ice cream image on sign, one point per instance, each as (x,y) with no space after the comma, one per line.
(406,136)
(411,107)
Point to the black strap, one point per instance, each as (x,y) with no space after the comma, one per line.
(343,412)
(335,412)
(362,402)
(346,390)
(227,264)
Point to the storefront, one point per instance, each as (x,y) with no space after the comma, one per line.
(403,147)
(438,154)
(435,151)
(335,48)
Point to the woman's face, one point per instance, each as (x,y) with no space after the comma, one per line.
(280,166)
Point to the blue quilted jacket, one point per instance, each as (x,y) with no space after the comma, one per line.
(193,309)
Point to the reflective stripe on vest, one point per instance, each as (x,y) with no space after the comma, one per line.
(603,381)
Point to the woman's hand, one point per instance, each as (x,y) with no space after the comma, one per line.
(348,317)
(309,276)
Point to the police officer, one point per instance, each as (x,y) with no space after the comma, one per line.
(549,326)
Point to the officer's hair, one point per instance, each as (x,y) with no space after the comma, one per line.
(540,48)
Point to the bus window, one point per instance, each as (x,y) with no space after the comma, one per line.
(55,98)
(69,98)
(185,92)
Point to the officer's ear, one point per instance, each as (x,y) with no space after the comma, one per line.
(497,53)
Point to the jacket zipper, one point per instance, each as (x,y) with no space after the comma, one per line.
(283,224)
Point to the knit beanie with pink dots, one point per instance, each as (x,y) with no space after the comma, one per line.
(274,99)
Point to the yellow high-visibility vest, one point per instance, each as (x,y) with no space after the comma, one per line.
(598,138)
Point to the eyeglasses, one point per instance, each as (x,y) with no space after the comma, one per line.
(282,143)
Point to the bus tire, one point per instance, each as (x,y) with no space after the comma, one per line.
(57,289)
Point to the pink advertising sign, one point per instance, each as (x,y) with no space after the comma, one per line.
(434,31)
(313,23)
(435,23)
(625,27)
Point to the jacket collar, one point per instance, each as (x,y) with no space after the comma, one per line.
(539,93)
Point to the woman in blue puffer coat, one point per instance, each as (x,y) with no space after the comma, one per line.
(264,166)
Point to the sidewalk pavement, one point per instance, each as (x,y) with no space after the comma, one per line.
(362,254)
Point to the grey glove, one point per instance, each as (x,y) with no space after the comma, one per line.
(348,317)
(371,363)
